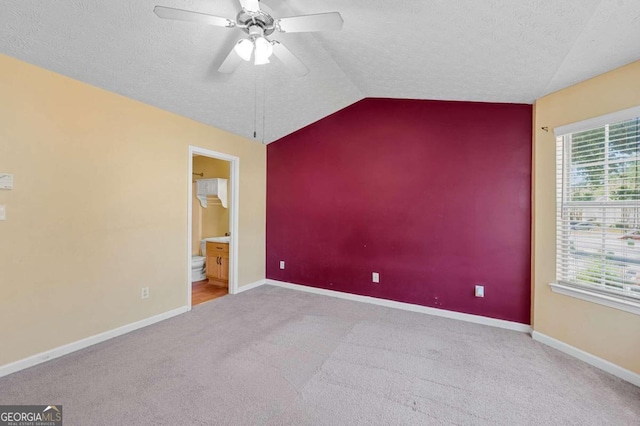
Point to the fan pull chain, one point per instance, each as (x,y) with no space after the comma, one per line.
(264,98)
(255,101)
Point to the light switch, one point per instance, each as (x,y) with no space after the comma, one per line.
(3,212)
(6,181)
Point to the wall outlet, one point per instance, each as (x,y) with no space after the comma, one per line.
(282,264)
(145,292)
(375,277)
(479,291)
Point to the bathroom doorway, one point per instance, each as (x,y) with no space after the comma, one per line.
(212,225)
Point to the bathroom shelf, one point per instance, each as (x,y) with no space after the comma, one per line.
(212,192)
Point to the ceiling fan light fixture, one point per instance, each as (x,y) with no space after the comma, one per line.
(244,49)
(264,50)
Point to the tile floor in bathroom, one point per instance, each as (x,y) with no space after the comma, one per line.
(202,291)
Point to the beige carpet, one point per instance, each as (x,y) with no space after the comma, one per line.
(280,357)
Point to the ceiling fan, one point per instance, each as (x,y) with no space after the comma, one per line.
(257,24)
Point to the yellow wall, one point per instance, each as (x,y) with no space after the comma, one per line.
(196,222)
(99,209)
(608,333)
(215,219)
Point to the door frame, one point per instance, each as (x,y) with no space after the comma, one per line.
(234,179)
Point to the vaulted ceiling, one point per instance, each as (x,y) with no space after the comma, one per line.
(491,50)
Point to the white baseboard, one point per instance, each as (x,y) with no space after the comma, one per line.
(602,364)
(84,343)
(509,325)
(250,286)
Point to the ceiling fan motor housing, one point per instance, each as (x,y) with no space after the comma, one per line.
(247,20)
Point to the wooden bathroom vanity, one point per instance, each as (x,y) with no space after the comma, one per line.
(217,264)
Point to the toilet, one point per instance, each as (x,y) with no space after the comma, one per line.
(197,268)
(198,265)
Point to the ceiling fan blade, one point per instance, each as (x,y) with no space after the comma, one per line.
(308,23)
(250,5)
(289,59)
(231,62)
(187,15)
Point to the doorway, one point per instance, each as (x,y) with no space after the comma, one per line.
(212,223)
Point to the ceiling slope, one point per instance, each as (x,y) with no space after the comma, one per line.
(493,51)
(498,51)
(610,39)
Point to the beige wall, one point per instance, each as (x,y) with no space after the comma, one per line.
(215,219)
(99,209)
(602,331)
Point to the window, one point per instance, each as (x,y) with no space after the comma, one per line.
(598,206)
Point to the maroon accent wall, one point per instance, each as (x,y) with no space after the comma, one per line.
(435,196)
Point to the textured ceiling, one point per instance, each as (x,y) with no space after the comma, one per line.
(492,50)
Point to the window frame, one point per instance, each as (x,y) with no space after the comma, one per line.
(595,294)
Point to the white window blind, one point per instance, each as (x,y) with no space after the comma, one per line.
(598,208)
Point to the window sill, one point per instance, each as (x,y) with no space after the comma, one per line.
(599,298)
